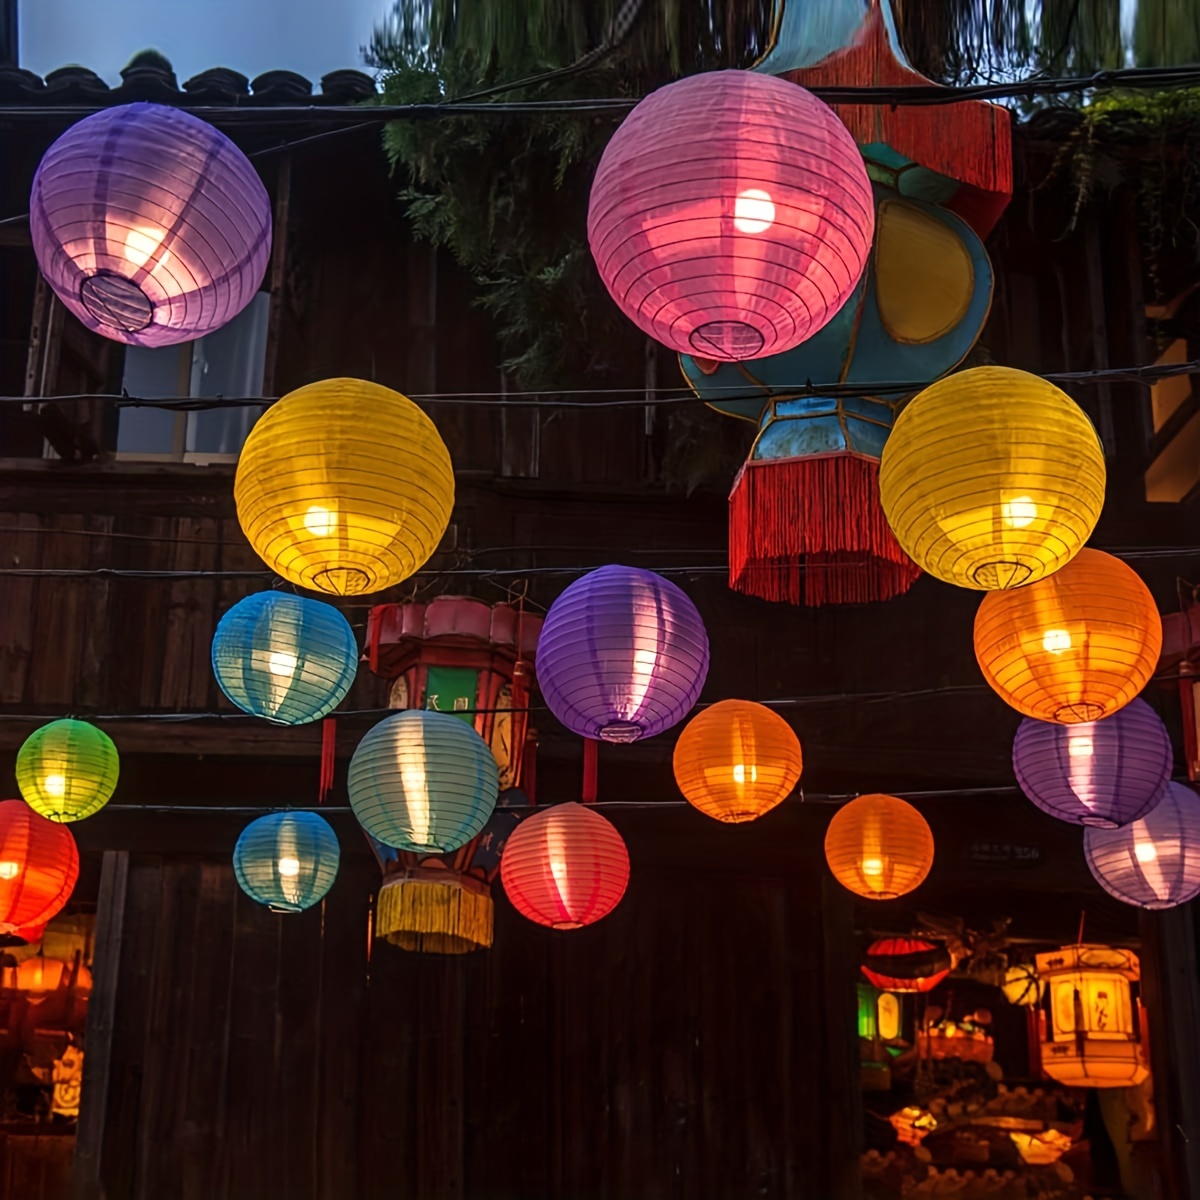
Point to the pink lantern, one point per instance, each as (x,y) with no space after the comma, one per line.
(731,215)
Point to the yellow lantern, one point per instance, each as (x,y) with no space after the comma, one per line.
(344,487)
(992,478)
(1091,1039)
(1022,986)
(1075,647)
(737,760)
(879,847)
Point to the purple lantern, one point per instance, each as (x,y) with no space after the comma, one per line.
(150,225)
(1154,862)
(622,655)
(1101,773)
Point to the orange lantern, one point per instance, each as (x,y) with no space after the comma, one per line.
(39,865)
(906,964)
(39,975)
(879,847)
(737,760)
(1075,646)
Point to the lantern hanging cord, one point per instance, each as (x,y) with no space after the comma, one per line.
(634,397)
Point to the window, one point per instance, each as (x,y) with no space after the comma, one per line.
(229,362)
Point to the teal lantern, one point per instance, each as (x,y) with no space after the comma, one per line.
(284,658)
(423,781)
(287,861)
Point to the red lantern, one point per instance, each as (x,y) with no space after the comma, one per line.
(565,867)
(39,865)
(906,965)
(731,215)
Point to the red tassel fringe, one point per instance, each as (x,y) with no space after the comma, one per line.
(811,531)
(328,758)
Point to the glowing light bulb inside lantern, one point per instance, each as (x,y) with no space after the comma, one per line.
(142,243)
(281,663)
(289,868)
(55,785)
(753,211)
(872,867)
(745,774)
(1145,852)
(1055,641)
(9,870)
(1019,512)
(320,521)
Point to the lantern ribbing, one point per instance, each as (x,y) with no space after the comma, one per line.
(287,861)
(284,658)
(731,215)
(992,478)
(344,487)
(1076,646)
(150,225)
(67,770)
(423,781)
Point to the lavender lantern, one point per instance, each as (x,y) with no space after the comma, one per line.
(1101,773)
(1154,862)
(622,655)
(150,225)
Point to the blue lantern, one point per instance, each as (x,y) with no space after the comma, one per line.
(287,861)
(423,781)
(283,657)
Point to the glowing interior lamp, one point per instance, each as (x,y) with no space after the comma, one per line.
(280,662)
(753,211)
(142,243)
(1019,513)
(872,866)
(740,774)
(9,870)
(1079,744)
(1055,641)
(289,868)
(55,785)
(320,521)
(1145,852)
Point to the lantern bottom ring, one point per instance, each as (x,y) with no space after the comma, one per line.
(1075,714)
(116,301)
(1099,823)
(728,340)
(621,732)
(566,925)
(342,581)
(276,907)
(1001,574)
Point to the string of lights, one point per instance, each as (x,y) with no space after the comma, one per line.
(630,397)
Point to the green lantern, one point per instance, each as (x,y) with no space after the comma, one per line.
(67,770)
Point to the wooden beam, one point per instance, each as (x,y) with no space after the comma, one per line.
(86,1166)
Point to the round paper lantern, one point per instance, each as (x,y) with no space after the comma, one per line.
(1077,646)
(565,867)
(284,658)
(731,215)
(992,478)
(1102,773)
(622,655)
(287,861)
(39,865)
(67,770)
(879,847)
(1154,862)
(737,760)
(344,487)
(151,226)
(39,975)
(1022,986)
(906,965)
(423,781)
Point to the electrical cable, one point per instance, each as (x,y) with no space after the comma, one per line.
(1146,375)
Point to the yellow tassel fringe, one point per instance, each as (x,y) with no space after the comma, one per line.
(434,917)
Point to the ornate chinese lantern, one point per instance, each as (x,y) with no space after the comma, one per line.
(1021,985)
(1154,862)
(284,658)
(287,860)
(992,479)
(1092,1035)
(623,655)
(1076,646)
(879,847)
(731,215)
(906,965)
(39,865)
(565,867)
(462,656)
(151,226)
(39,975)
(67,770)
(423,781)
(344,487)
(805,523)
(1102,773)
(737,760)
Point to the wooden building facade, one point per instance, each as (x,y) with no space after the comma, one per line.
(699,1043)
